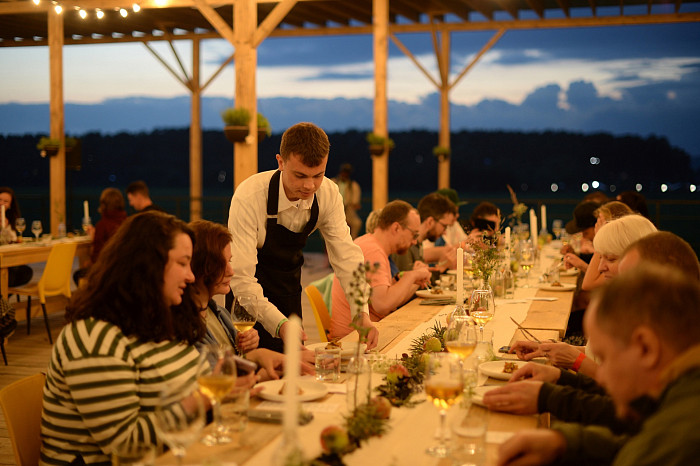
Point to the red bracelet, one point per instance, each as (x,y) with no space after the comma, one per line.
(578,362)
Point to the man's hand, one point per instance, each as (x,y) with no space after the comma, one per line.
(516,398)
(418,276)
(248,340)
(285,328)
(535,371)
(531,447)
(373,335)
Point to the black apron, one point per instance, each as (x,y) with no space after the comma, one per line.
(279,263)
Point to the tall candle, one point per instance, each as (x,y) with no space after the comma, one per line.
(2,216)
(533,227)
(86,210)
(459,298)
(292,342)
(508,245)
(543,214)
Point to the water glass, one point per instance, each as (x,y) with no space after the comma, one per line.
(37,229)
(234,410)
(327,364)
(469,438)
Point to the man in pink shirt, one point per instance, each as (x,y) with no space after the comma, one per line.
(397,229)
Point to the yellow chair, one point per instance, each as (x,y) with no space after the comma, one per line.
(21,404)
(323,319)
(53,282)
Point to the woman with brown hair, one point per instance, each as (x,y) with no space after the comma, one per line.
(21,274)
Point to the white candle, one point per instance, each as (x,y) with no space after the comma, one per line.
(2,216)
(459,298)
(543,214)
(292,358)
(533,227)
(508,245)
(86,210)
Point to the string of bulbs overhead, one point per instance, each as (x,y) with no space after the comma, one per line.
(99,12)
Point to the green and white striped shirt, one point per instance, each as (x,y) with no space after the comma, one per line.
(102,388)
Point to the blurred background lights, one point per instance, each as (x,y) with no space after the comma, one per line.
(58,9)
(123,12)
(613,188)
(638,187)
(136,7)
(82,13)
(584,187)
(594,160)
(595,185)
(664,187)
(554,187)
(100,14)
(693,188)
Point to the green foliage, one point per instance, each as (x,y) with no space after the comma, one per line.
(264,124)
(46,141)
(365,423)
(373,139)
(441,151)
(236,116)
(486,255)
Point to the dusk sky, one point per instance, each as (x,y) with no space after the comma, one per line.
(637,79)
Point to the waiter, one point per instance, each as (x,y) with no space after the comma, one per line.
(271,216)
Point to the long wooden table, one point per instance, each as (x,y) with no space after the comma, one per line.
(30,252)
(412,429)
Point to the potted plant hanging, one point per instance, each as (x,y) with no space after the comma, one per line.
(50,146)
(442,153)
(264,129)
(236,123)
(378,143)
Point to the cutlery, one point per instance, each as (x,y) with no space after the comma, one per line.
(525,331)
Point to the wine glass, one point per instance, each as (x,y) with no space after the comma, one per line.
(557,227)
(244,315)
(482,307)
(86,223)
(37,228)
(460,337)
(180,417)
(219,377)
(20,226)
(444,386)
(527,259)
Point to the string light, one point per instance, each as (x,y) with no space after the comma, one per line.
(123,12)
(161,3)
(82,14)
(136,7)
(99,13)
(58,9)
(36,2)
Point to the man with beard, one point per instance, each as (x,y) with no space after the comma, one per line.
(436,212)
(396,231)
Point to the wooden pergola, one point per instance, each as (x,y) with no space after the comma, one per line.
(247,23)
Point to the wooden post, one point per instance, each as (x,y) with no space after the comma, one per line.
(444,136)
(195,138)
(57,163)
(245,154)
(380,163)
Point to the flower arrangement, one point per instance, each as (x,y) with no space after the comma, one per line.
(486,256)
(518,209)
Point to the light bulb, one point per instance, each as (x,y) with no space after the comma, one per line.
(123,12)
(36,2)
(58,9)
(82,14)
(99,13)
(136,7)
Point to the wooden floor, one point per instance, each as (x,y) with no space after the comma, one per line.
(29,354)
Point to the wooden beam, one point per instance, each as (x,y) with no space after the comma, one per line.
(218,70)
(415,61)
(169,38)
(182,80)
(508,6)
(380,163)
(593,7)
(272,20)
(481,7)
(456,7)
(483,50)
(215,20)
(405,11)
(57,163)
(443,178)
(195,138)
(436,50)
(333,14)
(538,6)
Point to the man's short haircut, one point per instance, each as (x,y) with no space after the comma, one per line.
(306,141)
(613,210)
(663,247)
(485,209)
(395,211)
(653,295)
(138,187)
(614,237)
(435,205)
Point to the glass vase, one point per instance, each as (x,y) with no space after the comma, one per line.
(359,382)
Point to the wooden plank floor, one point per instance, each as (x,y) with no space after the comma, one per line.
(29,354)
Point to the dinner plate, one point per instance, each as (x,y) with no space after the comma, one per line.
(430,294)
(479,392)
(563,287)
(348,350)
(494,369)
(568,272)
(453,272)
(310,390)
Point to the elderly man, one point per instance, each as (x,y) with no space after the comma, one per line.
(396,230)
(436,213)
(645,327)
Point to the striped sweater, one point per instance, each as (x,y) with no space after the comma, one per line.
(102,388)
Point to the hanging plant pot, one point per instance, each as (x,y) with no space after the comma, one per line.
(236,133)
(262,134)
(49,150)
(376,149)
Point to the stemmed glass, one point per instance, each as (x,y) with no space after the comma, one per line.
(527,259)
(20,226)
(219,369)
(482,307)
(37,229)
(244,315)
(444,385)
(460,337)
(557,227)
(180,417)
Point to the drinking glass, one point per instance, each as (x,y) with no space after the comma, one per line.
(180,417)
(37,229)
(87,223)
(244,315)
(444,386)
(469,438)
(20,226)
(557,227)
(482,307)
(527,259)
(219,369)
(460,337)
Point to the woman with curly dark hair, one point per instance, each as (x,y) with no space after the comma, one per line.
(130,334)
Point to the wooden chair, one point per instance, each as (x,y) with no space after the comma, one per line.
(21,404)
(323,319)
(54,281)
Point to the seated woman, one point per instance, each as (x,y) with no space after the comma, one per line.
(21,274)
(128,337)
(211,264)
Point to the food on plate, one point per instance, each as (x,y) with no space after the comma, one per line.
(556,284)
(334,344)
(284,386)
(436,290)
(510,367)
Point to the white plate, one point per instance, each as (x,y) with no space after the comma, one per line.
(568,272)
(348,350)
(563,287)
(453,272)
(494,369)
(430,294)
(479,392)
(311,390)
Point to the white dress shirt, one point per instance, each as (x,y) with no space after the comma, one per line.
(247,222)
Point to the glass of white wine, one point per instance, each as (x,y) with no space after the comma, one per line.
(527,259)
(20,226)
(244,315)
(180,417)
(219,377)
(460,337)
(37,229)
(557,227)
(482,307)
(444,386)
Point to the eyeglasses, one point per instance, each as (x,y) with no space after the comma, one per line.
(444,225)
(415,233)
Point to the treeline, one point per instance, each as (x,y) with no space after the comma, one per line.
(481,161)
